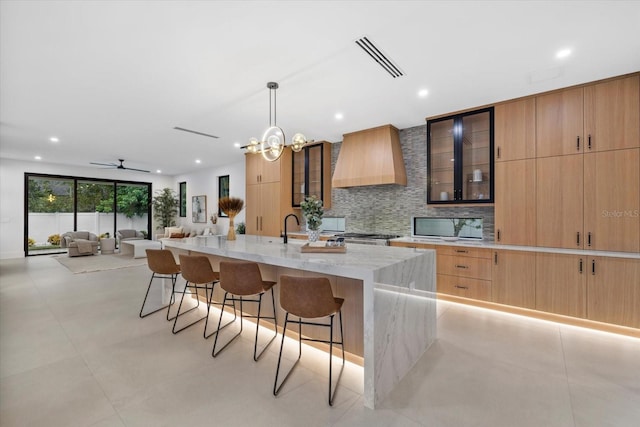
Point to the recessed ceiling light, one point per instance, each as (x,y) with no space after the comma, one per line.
(236,144)
(422,93)
(198,161)
(54,139)
(339,116)
(38,158)
(563,53)
(158,171)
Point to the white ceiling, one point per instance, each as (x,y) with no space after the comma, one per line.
(112,79)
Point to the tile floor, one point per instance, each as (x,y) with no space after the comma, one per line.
(73,352)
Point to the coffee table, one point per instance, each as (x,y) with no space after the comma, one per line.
(136,248)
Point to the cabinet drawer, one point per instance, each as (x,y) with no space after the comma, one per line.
(465,251)
(475,268)
(464,287)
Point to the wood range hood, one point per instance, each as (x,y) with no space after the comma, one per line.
(370,157)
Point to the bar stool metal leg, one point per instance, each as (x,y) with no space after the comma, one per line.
(173,278)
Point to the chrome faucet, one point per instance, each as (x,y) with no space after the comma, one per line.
(285,225)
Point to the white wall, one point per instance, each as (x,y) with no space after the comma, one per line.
(204,182)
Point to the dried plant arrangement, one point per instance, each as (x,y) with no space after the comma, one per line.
(231,206)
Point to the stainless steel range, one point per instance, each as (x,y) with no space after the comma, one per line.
(368,238)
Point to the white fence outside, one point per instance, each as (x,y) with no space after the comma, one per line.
(43,225)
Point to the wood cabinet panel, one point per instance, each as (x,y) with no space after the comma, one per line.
(560,123)
(477,268)
(613,291)
(612,114)
(464,287)
(559,201)
(513,278)
(561,284)
(515,130)
(612,200)
(515,202)
(465,251)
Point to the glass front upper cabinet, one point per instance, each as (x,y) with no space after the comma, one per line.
(460,158)
(308,178)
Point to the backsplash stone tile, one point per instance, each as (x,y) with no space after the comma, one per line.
(389,208)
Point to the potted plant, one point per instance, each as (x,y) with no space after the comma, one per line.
(165,207)
(312,212)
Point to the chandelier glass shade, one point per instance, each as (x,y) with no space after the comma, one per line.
(273,141)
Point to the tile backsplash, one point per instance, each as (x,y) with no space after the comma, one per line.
(389,208)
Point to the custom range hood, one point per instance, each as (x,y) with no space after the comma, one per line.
(370,157)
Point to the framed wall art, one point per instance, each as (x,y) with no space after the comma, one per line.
(199,209)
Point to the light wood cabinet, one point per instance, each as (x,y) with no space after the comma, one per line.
(258,170)
(515,202)
(464,272)
(612,114)
(513,278)
(612,200)
(560,123)
(561,284)
(515,130)
(559,201)
(613,291)
(597,117)
(268,194)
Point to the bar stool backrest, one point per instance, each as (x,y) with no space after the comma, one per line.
(161,261)
(241,277)
(197,269)
(307,297)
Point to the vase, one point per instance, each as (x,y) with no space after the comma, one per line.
(314,235)
(231,235)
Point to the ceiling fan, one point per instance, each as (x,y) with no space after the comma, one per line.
(116,166)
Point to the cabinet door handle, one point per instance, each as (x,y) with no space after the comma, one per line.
(257,227)
(495,258)
(593,267)
(589,239)
(461,287)
(580,266)
(260,223)
(589,142)
(498,153)
(578,239)
(462,251)
(498,235)
(577,143)
(462,266)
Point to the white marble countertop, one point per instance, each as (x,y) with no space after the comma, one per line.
(491,245)
(359,262)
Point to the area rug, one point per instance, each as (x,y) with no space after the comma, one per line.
(90,263)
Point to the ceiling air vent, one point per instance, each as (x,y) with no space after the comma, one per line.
(379,57)
(196,132)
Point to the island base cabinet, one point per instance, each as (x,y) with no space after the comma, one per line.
(613,291)
(513,278)
(561,284)
(464,287)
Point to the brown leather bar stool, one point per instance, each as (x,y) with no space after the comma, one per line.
(163,266)
(198,273)
(309,298)
(242,279)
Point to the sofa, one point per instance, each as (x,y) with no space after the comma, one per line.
(79,243)
(128,235)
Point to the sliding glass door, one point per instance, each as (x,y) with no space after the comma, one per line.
(57,204)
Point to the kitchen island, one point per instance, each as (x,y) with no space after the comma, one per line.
(397,287)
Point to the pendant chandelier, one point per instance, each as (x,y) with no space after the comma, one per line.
(273,141)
